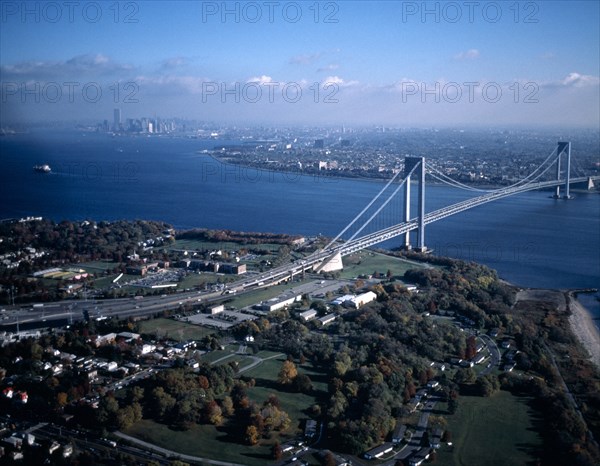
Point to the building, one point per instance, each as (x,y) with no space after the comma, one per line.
(494,332)
(116,119)
(128,336)
(105,339)
(413,405)
(279,303)
(361,300)
(216,309)
(342,299)
(435,440)
(308,315)
(399,432)
(234,269)
(509,367)
(438,365)
(147,349)
(327,319)
(379,451)
(310,429)
(433,384)
(420,457)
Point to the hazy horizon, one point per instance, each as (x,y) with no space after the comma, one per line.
(398,64)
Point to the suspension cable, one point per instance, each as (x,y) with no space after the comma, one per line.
(457,184)
(364,210)
(384,204)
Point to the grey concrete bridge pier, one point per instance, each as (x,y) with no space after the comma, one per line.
(563,147)
(409,164)
(406,213)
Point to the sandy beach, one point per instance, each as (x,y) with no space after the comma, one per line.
(583,327)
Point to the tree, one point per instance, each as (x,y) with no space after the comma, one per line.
(288,373)
(303,384)
(329,459)
(214,413)
(61,399)
(227,406)
(252,435)
(276,451)
(488,385)
(129,415)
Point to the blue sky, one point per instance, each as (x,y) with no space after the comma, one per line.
(385,62)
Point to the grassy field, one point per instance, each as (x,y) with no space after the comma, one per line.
(494,431)
(174,329)
(191,244)
(293,403)
(213,442)
(95,266)
(367,262)
(201,440)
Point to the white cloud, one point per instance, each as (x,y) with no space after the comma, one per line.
(260,79)
(88,65)
(580,80)
(470,54)
(339,81)
(330,67)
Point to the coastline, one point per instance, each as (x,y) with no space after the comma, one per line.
(584,329)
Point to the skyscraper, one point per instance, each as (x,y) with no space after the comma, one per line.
(117,119)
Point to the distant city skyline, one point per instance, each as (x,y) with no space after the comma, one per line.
(355,63)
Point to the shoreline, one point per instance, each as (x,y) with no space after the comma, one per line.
(582,325)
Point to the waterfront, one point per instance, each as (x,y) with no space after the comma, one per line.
(532,240)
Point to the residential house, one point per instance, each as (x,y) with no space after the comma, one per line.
(379,451)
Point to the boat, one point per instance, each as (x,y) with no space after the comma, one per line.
(42,168)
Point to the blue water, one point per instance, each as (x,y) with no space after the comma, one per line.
(530,239)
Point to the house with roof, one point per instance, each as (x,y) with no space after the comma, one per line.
(379,451)
(420,457)
(327,319)
(399,432)
(308,315)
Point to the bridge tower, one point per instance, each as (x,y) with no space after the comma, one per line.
(566,148)
(409,164)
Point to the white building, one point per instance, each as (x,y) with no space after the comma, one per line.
(327,319)
(217,309)
(308,315)
(361,299)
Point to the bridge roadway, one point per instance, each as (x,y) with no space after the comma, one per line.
(126,307)
(413,224)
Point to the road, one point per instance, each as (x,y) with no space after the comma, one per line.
(42,315)
(494,354)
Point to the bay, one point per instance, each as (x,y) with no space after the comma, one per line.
(530,239)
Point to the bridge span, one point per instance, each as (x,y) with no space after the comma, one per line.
(330,257)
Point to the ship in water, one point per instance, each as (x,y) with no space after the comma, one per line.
(42,168)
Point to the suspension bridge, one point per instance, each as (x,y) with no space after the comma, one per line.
(329,258)
(380,220)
